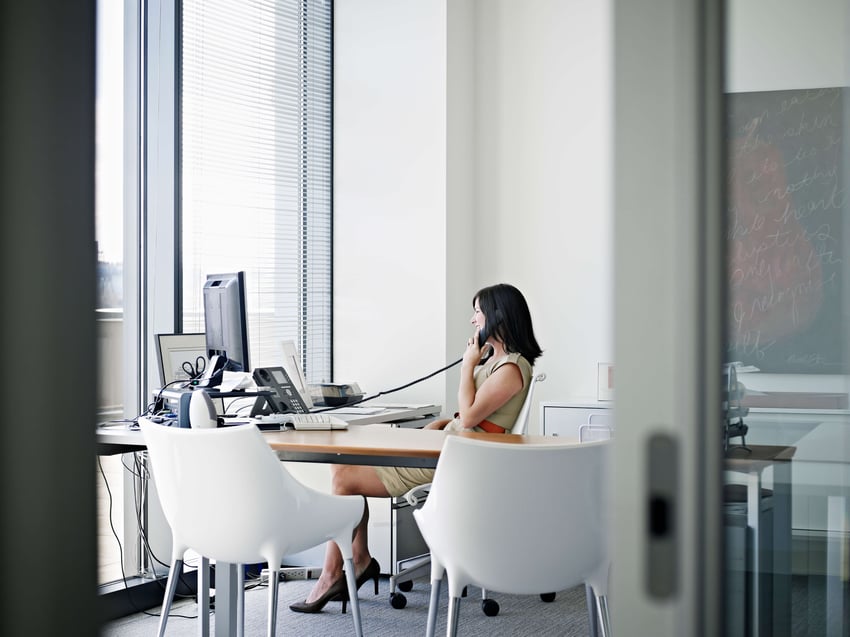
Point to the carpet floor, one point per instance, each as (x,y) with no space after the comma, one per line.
(518,615)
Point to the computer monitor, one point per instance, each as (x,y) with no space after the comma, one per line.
(225,318)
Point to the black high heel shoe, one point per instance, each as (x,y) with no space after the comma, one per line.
(338,588)
(373,572)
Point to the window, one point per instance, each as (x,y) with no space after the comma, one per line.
(109,215)
(253,193)
(255,169)
(110,228)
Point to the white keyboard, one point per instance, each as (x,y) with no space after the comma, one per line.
(315,421)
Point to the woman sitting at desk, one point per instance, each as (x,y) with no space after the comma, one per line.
(491,393)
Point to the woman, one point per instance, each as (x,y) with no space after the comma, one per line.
(490,397)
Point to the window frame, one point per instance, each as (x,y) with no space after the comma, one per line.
(152,247)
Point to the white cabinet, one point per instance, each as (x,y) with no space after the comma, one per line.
(579,421)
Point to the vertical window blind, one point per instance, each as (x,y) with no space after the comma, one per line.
(255,168)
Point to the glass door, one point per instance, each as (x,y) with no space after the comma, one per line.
(787,427)
(733,449)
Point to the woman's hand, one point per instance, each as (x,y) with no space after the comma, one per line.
(473,353)
(438,424)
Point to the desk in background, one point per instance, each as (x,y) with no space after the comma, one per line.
(765,552)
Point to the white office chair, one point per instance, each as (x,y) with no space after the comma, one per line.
(227,497)
(565,546)
(403,580)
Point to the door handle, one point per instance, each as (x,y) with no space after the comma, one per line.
(662,505)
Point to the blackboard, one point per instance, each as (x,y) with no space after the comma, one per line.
(786,204)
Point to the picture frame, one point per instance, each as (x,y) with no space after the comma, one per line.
(175,349)
(605,382)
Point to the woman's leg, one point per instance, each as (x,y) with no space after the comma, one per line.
(349,480)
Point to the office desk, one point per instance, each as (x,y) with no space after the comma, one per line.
(768,557)
(115,439)
(375,445)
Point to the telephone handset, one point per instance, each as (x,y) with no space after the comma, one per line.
(483,334)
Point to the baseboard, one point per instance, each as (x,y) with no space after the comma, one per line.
(137,594)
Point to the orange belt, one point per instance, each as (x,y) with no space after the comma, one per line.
(491,428)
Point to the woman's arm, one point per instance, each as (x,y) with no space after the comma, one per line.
(494,392)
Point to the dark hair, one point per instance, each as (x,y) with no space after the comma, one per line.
(508,318)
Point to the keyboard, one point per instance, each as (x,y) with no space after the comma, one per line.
(315,421)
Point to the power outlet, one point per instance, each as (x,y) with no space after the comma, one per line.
(293,573)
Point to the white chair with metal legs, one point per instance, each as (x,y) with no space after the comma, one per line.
(550,507)
(417,567)
(227,497)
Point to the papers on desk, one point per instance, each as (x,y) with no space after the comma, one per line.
(407,406)
(232,381)
(357,410)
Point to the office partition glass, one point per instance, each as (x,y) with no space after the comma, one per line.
(255,171)
(732,459)
(787,425)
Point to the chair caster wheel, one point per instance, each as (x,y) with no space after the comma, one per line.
(547,597)
(490,607)
(398,601)
(406,586)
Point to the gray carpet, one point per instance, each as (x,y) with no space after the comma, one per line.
(519,615)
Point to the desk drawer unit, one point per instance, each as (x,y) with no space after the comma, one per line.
(579,421)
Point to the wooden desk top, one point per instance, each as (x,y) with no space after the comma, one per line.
(359,444)
(759,453)
(756,458)
(379,445)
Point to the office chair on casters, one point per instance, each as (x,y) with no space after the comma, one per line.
(565,546)
(227,497)
(403,580)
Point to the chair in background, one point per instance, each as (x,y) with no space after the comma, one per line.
(521,425)
(551,513)
(416,567)
(227,497)
(597,427)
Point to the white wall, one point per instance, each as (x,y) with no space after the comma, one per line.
(543,179)
(389,193)
(471,147)
(776,45)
